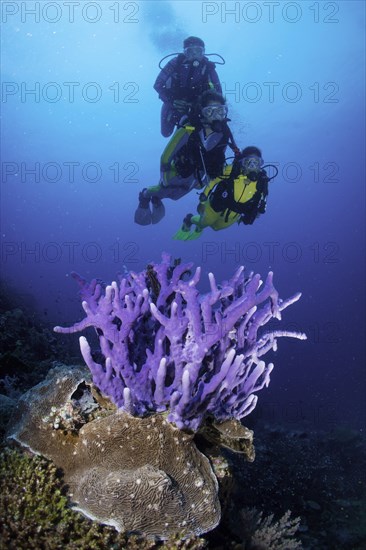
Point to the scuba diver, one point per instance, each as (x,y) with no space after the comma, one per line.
(239,195)
(183,79)
(194,155)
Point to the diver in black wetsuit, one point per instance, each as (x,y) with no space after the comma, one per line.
(183,79)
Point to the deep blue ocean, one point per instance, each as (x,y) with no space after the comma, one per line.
(80,137)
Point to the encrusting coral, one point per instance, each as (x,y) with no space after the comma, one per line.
(139,475)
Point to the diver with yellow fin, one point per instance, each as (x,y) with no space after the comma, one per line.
(239,195)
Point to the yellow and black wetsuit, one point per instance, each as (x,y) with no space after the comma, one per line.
(186,159)
(213,210)
(194,155)
(226,200)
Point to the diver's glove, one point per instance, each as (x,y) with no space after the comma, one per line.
(262,205)
(181,106)
(248,218)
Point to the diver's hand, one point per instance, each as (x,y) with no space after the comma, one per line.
(181,105)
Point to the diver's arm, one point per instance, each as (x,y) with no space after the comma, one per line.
(165,94)
(214,81)
(207,190)
(249,217)
(257,204)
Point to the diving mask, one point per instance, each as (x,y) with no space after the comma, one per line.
(194,53)
(251,164)
(214,112)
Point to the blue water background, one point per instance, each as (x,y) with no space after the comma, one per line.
(312,235)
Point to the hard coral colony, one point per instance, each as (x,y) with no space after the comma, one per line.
(166,347)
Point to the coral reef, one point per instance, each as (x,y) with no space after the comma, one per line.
(324,484)
(165,347)
(35,513)
(138,474)
(172,363)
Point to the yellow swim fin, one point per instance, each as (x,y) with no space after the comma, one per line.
(187,235)
(182,234)
(194,235)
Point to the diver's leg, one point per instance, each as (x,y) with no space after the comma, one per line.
(175,190)
(154,195)
(172,192)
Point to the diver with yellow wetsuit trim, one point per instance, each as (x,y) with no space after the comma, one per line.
(239,195)
(195,154)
